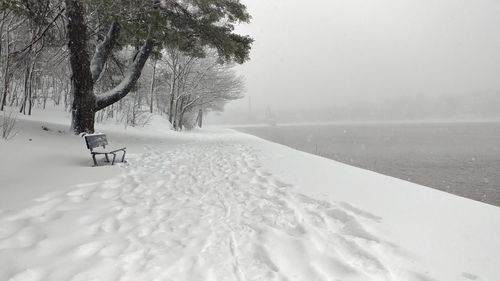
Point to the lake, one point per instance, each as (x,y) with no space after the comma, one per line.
(462,158)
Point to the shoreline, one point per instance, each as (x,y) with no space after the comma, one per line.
(332,123)
(427,221)
(463,154)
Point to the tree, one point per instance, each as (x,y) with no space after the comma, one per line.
(98,33)
(29,23)
(199,83)
(187,25)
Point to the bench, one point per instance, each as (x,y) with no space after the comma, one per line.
(97,145)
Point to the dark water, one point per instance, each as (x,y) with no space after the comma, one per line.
(460,158)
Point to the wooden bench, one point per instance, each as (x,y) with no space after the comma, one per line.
(97,145)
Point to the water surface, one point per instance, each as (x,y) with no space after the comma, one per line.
(460,158)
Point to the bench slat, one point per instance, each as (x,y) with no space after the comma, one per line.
(96,140)
(104,151)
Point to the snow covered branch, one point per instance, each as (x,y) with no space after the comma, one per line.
(103,49)
(131,77)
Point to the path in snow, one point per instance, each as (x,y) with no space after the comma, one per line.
(195,212)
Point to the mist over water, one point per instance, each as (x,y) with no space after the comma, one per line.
(480,107)
(365,60)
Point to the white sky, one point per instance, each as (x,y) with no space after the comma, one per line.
(313,53)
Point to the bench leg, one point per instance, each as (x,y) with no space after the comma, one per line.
(107,158)
(123,157)
(114,156)
(95,161)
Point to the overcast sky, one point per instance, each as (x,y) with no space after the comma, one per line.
(312,53)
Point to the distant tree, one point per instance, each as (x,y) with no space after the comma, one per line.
(199,83)
(26,29)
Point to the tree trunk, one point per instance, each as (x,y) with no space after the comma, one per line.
(30,83)
(172,99)
(85,102)
(152,87)
(30,99)
(199,118)
(45,92)
(179,112)
(2,23)
(174,119)
(26,84)
(82,85)
(6,72)
(13,96)
(66,94)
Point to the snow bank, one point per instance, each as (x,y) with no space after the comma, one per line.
(456,238)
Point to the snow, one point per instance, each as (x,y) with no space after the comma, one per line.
(452,236)
(216,204)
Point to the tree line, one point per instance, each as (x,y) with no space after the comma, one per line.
(104,59)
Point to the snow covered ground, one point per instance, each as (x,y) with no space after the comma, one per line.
(221,205)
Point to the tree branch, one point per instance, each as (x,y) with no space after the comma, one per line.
(133,74)
(103,49)
(42,34)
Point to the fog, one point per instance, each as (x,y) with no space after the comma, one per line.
(350,59)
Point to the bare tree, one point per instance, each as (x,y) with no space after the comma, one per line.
(197,83)
(7,125)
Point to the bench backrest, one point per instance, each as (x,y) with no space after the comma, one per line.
(96,140)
